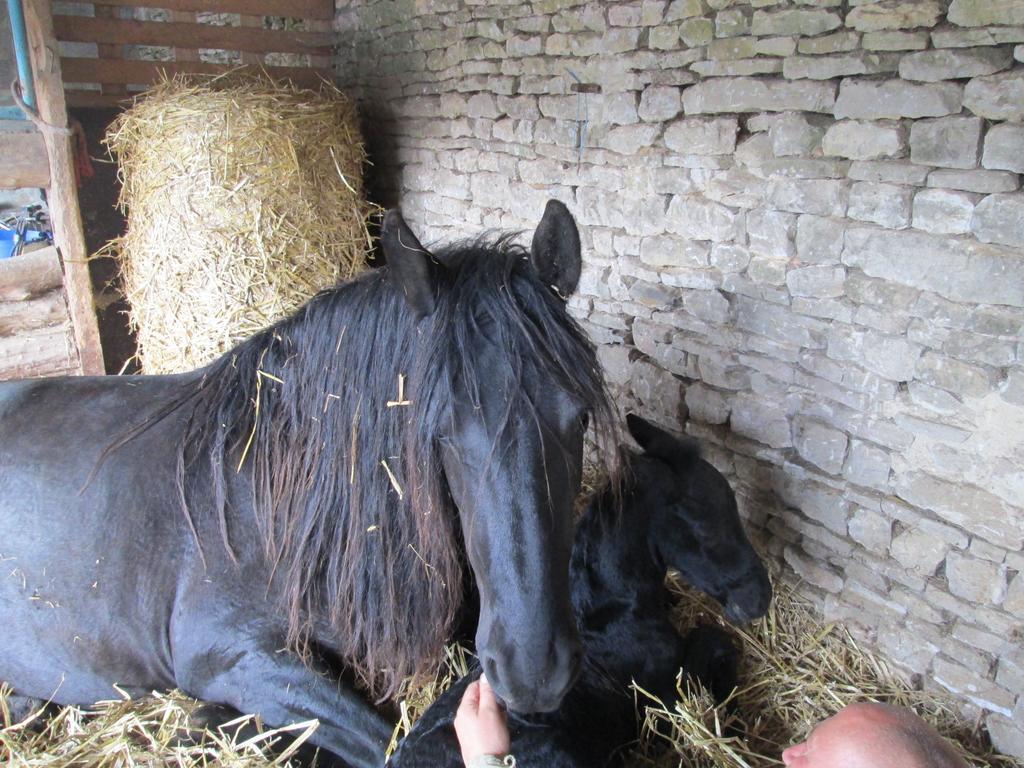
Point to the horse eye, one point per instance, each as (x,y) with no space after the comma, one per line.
(585,420)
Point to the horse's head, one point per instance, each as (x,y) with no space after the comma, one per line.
(695,526)
(521,381)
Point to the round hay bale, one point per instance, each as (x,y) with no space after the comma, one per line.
(244,197)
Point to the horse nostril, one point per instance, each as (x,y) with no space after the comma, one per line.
(491,670)
(571,655)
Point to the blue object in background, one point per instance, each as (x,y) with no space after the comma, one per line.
(11,241)
(8,242)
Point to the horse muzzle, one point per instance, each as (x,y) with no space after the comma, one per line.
(750,601)
(533,682)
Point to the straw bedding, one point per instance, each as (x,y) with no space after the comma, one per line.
(244,197)
(796,671)
(149,732)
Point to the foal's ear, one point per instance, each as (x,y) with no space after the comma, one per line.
(661,444)
(556,249)
(408,262)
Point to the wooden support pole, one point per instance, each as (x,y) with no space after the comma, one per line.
(63,192)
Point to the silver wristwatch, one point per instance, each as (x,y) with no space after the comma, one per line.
(492,761)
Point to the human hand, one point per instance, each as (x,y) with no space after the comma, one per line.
(480,723)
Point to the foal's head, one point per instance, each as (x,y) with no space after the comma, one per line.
(695,527)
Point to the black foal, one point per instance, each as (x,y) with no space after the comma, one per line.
(677,512)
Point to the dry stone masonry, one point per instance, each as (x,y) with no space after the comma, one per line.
(804,236)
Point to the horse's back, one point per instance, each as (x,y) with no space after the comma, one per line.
(54,432)
(89,568)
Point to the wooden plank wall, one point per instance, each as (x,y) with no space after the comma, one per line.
(23,160)
(112,76)
(36,335)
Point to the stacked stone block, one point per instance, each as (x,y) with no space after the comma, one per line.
(803,232)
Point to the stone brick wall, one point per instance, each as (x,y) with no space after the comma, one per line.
(803,227)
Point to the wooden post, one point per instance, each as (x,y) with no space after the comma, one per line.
(63,192)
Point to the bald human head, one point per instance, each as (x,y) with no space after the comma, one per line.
(870,735)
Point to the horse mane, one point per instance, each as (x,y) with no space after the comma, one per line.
(351,502)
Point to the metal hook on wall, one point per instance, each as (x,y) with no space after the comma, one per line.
(581,90)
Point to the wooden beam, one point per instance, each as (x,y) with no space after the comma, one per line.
(23,161)
(43,352)
(148,72)
(63,193)
(49,309)
(46,367)
(176,34)
(82,98)
(31,274)
(299,9)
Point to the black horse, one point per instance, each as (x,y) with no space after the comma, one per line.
(307,503)
(677,512)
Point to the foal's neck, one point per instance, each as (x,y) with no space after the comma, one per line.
(619,593)
(616,575)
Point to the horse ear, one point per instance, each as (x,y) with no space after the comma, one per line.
(661,444)
(408,262)
(644,432)
(556,249)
